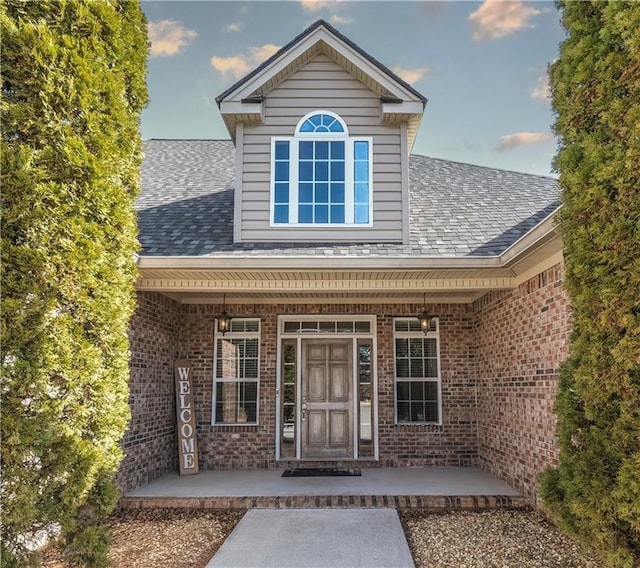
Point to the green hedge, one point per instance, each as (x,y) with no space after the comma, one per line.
(595,491)
(73,88)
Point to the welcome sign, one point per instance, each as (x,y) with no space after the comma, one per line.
(185,410)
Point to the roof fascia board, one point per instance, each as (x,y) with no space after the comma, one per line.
(405,107)
(238,107)
(230,262)
(320,34)
(523,246)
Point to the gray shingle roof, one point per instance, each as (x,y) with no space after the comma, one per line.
(185,207)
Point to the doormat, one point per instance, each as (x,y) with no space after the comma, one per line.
(321,472)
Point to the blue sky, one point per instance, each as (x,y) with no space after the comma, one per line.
(482,65)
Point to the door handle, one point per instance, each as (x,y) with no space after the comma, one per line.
(304,410)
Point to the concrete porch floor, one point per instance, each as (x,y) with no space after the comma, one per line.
(428,488)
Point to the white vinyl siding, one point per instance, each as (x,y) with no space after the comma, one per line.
(322,84)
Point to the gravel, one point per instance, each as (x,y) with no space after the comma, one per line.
(183,538)
(491,539)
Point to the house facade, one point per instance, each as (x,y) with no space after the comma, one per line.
(338,299)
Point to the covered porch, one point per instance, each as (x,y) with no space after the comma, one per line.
(435,488)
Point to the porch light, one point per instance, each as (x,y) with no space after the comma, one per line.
(224,320)
(424,317)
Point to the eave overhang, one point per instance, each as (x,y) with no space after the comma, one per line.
(345,279)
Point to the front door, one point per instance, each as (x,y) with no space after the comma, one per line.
(326,399)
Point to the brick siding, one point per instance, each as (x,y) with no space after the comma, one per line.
(521,340)
(151,443)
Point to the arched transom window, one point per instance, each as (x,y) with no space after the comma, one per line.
(321,176)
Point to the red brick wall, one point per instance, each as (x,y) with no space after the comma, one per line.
(499,363)
(521,339)
(150,443)
(454,443)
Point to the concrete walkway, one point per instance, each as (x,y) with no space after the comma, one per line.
(318,538)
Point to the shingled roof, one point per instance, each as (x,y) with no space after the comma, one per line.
(185,207)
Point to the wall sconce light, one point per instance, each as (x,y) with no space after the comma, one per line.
(224,320)
(424,317)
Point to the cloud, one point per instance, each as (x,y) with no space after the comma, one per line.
(233,27)
(168,37)
(510,142)
(239,65)
(315,5)
(542,90)
(336,20)
(411,75)
(499,18)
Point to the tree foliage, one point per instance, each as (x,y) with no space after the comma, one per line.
(73,88)
(596,97)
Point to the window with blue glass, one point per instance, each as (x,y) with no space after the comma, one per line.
(321,175)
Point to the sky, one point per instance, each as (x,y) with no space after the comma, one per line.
(481,65)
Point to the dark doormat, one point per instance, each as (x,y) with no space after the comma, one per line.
(321,472)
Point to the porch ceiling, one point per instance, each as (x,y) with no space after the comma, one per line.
(326,286)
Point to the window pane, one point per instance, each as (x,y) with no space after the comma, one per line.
(322,150)
(336,127)
(282,150)
(322,193)
(417,411)
(236,402)
(363,327)
(305,151)
(417,391)
(417,368)
(402,347)
(415,347)
(316,120)
(337,213)
(361,150)
(306,193)
(361,214)
(281,214)
(403,412)
(282,193)
(337,193)
(282,171)
(403,390)
(306,171)
(322,171)
(431,368)
(362,193)
(327,326)
(322,214)
(361,172)
(337,171)
(337,150)
(305,214)
(308,126)
(431,412)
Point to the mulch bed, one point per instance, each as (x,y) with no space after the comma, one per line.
(167,538)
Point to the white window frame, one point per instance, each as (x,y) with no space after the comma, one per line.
(438,380)
(349,182)
(235,335)
(300,336)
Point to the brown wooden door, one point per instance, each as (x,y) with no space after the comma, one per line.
(327,401)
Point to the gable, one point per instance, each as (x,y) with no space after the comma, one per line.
(399,102)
